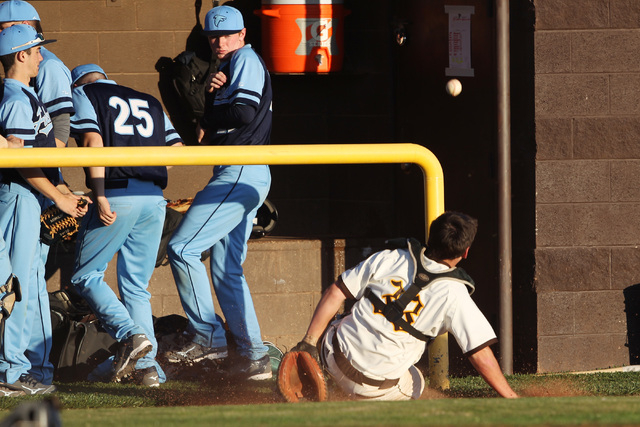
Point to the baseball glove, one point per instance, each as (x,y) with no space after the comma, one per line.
(300,377)
(180,205)
(57,225)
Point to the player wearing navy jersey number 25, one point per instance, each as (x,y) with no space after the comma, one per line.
(127,217)
(237,112)
(26,340)
(370,353)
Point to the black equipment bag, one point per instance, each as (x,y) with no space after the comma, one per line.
(80,343)
(85,346)
(189,76)
(181,81)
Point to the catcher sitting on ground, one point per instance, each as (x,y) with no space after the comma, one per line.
(400,305)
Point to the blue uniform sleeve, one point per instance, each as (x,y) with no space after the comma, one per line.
(16,117)
(172,136)
(237,102)
(53,85)
(85,119)
(247,78)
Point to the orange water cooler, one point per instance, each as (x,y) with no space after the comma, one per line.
(302,36)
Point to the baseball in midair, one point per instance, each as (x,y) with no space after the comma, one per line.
(454,87)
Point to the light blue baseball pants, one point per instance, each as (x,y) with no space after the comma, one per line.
(220,219)
(135,237)
(27,332)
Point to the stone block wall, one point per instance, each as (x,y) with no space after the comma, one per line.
(587,100)
(126,37)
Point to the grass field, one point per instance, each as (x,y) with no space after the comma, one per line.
(591,399)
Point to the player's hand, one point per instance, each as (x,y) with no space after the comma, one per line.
(68,203)
(106,215)
(311,349)
(11,142)
(199,134)
(15,142)
(83,208)
(215,81)
(202,136)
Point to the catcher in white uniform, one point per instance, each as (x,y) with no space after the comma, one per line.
(372,357)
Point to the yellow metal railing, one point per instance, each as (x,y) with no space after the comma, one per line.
(266,154)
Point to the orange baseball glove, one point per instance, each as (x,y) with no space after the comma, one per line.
(300,377)
(57,225)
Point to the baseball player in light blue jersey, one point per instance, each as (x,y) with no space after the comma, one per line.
(26,344)
(53,87)
(221,216)
(53,82)
(127,217)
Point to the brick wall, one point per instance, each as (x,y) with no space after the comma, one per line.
(126,37)
(587,100)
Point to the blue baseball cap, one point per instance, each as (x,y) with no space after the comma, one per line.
(17,10)
(223,20)
(20,37)
(81,70)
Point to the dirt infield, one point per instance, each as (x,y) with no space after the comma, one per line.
(266,392)
(552,388)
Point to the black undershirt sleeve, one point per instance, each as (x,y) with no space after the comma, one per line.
(480,347)
(228,116)
(340,284)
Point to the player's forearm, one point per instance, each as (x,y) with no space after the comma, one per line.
(487,366)
(96,180)
(36,178)
(96,173)
(327,308)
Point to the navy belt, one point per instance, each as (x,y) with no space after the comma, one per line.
(113,184)
(116,183)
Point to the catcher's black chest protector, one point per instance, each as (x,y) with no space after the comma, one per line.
(394,310)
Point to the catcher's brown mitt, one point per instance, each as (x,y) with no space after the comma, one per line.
(300,377)
(57,225)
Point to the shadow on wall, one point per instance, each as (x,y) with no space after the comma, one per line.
(62,257)
(632,308)
(180,77)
